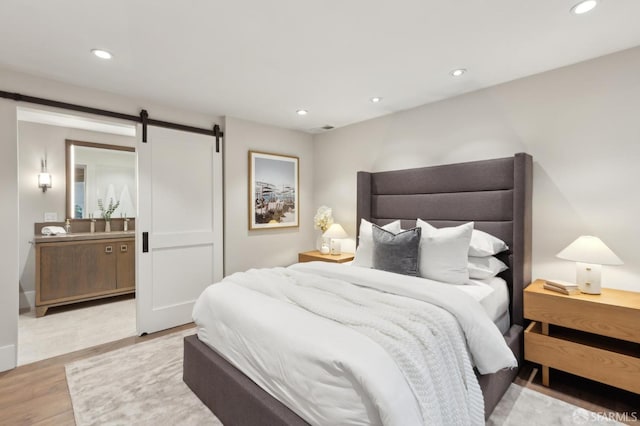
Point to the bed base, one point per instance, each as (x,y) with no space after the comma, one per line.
(229,394)
(236,400)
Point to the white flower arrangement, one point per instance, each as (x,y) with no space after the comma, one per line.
(323,218)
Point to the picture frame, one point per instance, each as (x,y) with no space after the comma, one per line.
(273,191)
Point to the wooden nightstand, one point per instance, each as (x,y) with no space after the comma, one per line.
(593,336)
(315,255)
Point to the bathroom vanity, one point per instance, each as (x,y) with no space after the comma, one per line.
(82,266)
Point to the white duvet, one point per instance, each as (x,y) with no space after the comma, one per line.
(342,366)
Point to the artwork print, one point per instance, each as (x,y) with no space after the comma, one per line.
(273,191)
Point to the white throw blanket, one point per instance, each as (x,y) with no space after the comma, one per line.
(488,348)
(424,341)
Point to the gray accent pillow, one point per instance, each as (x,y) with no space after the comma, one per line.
(396,252)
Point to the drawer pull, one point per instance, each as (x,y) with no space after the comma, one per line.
(124,248)
(108,249)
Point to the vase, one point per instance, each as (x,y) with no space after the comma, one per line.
(322,243)
(107,226)
(325,248)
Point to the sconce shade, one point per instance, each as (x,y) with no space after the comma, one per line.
(335,231)
(588,249)
(44,181)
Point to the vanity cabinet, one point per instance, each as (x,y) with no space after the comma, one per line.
(73,268)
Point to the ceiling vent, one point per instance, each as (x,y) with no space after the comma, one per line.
(324,128)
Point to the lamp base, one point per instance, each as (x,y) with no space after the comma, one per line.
(336,248)
(588,277)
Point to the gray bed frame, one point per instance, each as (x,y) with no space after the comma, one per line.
(495,194)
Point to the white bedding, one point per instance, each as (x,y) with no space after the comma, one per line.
(328,373)
(493,295)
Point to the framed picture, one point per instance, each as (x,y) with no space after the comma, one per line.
(273,191)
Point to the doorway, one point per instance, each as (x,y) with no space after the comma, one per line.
(72,322)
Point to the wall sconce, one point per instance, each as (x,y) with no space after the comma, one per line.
(44,178)
(589,253)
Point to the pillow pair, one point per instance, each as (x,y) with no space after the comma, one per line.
(481,262)
(455,254)
(482,268)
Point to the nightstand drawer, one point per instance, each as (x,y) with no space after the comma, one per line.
(584,312)
(585,355)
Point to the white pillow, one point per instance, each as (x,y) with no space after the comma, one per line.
(444,252)
(483,244)
(364,252)
(481,268)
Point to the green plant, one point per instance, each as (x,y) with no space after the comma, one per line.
(106,213)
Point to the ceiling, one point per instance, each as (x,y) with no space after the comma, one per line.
(263,60)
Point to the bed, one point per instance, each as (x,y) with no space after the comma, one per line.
(495,194)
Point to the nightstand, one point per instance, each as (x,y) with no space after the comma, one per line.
(315,255)
(593,336)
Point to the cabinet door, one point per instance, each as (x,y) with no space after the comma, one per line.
(70,271)
(126,264)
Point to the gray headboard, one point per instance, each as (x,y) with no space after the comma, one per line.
(495,194)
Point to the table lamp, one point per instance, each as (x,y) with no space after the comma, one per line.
(589,253)
(335,233)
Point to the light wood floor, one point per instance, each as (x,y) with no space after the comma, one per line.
(37,394)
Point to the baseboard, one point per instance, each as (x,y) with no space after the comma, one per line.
(27,301)
(8,358)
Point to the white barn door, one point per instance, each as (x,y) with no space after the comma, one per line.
(179,225)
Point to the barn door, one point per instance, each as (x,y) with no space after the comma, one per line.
(179,226)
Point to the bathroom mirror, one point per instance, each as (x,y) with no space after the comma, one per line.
(100,172)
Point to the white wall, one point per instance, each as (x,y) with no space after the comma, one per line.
(246,249)
(34,140)
(580,123)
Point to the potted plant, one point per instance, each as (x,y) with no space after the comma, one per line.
(106,213)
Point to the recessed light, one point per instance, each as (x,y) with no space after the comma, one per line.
(584,7)
(302,112)
(458,72)
(102,54)
(376,99)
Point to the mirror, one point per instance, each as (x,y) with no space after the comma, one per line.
(100,172)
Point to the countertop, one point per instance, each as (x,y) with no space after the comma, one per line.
(83,236)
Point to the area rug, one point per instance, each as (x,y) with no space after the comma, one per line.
(522,406)
(142,384)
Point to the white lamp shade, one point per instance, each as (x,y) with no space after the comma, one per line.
(588,249)
(335,231)
(44,180)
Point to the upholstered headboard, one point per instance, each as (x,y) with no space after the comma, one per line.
(495,194)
